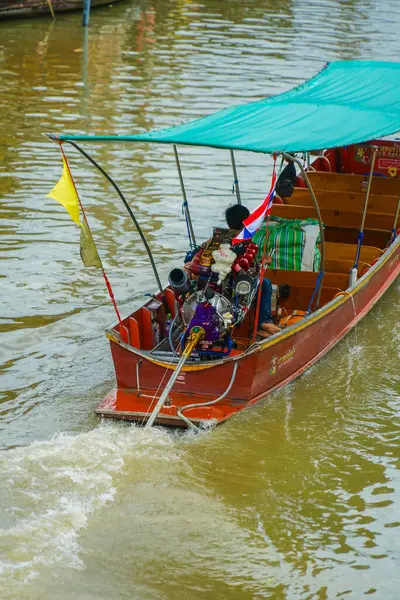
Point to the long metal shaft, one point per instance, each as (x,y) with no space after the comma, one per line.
(128,208)
(185,202)
(166,391)
(236,180)
(321,226)
(194,338)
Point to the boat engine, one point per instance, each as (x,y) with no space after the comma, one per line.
(229,291)
(209,310)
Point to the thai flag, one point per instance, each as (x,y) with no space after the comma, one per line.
(255,219)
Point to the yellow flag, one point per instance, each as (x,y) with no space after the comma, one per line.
(89,255)
(64,192)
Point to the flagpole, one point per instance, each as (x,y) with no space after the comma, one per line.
(128,208)
(107,282)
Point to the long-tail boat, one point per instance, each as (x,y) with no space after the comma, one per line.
(189,356)
(13,9)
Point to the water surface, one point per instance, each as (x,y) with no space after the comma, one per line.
(297,498)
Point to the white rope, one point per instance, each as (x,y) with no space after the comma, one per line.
(198,405)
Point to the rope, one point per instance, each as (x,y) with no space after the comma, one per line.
(49,2)
(342,293)
(202,404)
(317,284)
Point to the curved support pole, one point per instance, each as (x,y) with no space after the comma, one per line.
(394,228)
(236,181)
(188,406)
(128,208)
(361,232)
(321,226)
(185,202)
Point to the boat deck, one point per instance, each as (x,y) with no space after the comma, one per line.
(131,405)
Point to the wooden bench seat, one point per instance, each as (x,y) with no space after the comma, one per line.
(341,265)
(353,183)
(334,218)
(302,285)
(300,296)
(348,251)
(307,278)
(372,237)
(343,200)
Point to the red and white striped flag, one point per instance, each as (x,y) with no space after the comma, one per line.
(256,218)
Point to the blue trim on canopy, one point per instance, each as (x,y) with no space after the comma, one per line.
(347,102)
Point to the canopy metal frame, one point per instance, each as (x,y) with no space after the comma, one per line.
(364,214)
(128,208)
(235,180)
(192,237)
(396,217)
(285,155)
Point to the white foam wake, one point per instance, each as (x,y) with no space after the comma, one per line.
(49,489)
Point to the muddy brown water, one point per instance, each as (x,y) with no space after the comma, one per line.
(297,498)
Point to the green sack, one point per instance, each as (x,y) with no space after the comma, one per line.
(295,242)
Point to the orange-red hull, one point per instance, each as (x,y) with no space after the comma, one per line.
(264,367)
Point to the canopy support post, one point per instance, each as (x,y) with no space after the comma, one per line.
(321,226)
(185,202)
(128,208)
(86,13)
(394,228)
(236,181)
(360,236)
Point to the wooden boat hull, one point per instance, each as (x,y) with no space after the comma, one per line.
(12,9)
(262,369)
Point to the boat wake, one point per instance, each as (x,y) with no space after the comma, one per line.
(50,489)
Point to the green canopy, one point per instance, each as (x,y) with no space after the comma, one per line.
(347,102)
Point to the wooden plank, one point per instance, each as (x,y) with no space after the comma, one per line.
(341,265)
(348,251)
(307,278)
(300,297)
(334,218)
(353,183)
(342,200)
(372,237)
